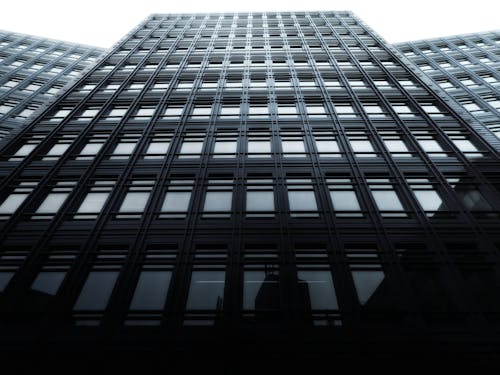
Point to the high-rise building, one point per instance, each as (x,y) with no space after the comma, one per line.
(250,186)
(466,67)
(33,70)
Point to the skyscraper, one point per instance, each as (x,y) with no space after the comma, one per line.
(466,67)
(33,70)
(250,186)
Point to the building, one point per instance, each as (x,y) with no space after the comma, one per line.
(466,68)
(33,70)
(250,187)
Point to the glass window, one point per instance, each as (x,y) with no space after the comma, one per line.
(301,198)
(387,200)
(90,150)
(24,150)
(157,150)
(174,111)
(432,147)
(134,202)
(96,290)
(362,147)
(293,148)
(396,147)
(123,150)
(190,149)
(259,147)
(287,110)
(12,203)
(428,199)
(261,290)
(206,290)
(217,201)
(344,200)
(366,284)
(321,291)
(48,282)
(260,201)
(151,291)
(176,202)
(52,203)
(93,203)
(225,148)
(5,279)
(57,150)
(327,146)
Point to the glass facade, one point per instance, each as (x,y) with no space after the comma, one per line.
(251,178)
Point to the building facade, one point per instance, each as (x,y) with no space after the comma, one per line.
(32,71)
(279,184)
(466,67)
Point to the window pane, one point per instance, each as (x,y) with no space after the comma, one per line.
(261,291)
(12,203)
(302,201)
(93,202)
(297,147)
(5,279)
(387,200)
(96,291)
(52,203)
(151,291)
(157,148)
(206,291)
(176,201)
(227,148)
(428,199)
(344,200)
(218,201)
(327,146)
(320,289)
(134,202)
(191,149)
(260,201)
(48,282)
(91,149)
(366,283)
(259,147)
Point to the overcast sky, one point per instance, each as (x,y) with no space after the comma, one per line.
(104,22)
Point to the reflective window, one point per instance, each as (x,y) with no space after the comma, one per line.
(301,198)
(320,289)
(16,198)
(260,198)
(386,199)
(259,145)
(96,290)
(366,283)
(191,148)
(151,291)
(48,282)
(135,200)
(225,147)
(261,290)
(206,290)
(176,203)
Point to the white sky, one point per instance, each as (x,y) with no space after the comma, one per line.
(104,22)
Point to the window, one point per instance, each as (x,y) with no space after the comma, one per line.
(206,290)
(259,145)
(58,149)
(16,198)
(201,111)
(292,145)
(93,203)
(225,146)
(218,199)
(396,146)
(287,110)
(191,147)
(116,113)
(361,146)
(48,282)
(125,147)
(321,291)
(426,195)
(135,200)
(151,290)
(258,111)
(429,144)
(92,148)
(327,145)
(177,199)
(173,112)
(260,198)
(54,200)
(386,199)
(230,111)
(96,291)
(258,285)
(145,113)
(345,111)
(344,199)
(374,111)
(158,147)
(301,198)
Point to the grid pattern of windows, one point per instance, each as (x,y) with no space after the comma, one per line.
(237,171)
(466,68)
(33,70)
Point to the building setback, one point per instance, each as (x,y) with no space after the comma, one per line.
(32,71)
(248,187)
(467,68)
